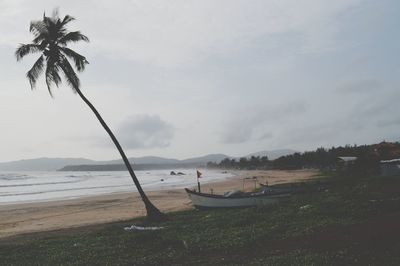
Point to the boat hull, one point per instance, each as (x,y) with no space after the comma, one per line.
(206,201)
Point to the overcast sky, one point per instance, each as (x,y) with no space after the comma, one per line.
(185,78)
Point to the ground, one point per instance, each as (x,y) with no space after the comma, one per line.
(352,222)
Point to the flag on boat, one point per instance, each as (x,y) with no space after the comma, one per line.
(198,174)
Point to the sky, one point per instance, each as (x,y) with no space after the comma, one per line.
(185,78)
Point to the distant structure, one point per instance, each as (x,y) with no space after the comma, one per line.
(344,162)
(390,167)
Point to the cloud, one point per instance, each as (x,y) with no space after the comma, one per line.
(384,104)
(365,120)
(188,32)
(145,131)
(169,34)
(359,86)
(249,75)
(256,123)
(237,133)
(391,121)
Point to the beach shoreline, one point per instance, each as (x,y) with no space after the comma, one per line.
(22,218)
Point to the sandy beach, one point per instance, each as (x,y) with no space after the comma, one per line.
(45,216)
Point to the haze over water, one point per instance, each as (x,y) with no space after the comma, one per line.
(23,187)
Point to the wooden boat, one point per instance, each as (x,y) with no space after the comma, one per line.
(234,199)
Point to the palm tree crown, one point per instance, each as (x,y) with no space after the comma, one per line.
(51,40)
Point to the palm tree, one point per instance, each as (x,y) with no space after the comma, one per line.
(51,38)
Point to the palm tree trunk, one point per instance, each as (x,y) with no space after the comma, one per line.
(153,214)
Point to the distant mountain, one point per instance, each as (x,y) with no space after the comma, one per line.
(148,163)
(53,164)
(42,164)
(122,167)
(274,154)
(145,160)
(215,158)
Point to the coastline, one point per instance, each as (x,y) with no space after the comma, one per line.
(53,215)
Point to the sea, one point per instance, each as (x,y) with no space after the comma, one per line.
(26,187)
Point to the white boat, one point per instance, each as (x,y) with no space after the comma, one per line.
(236,199)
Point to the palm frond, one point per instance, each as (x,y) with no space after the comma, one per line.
(35,71)
(53,28)
(47,21)
(52,76)
(69,73)
(41,29)
(24,49)
(38,27)
(80,60)
(73,36)
(67,19)
(41,40)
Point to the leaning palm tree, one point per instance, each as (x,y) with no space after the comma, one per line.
(51,38)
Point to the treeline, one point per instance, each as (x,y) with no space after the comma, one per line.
(327,159)
(252,163)
(368,158)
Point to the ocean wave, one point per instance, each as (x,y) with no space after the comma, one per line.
(10,176)
(59,190)
(42,184)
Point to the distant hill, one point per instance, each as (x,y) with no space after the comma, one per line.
(146,162)
(273,154)
(160,160)
(149,163)
(53,164)
(122,167)
(215,158)
(42,164)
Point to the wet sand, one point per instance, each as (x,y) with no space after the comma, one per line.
(18,219)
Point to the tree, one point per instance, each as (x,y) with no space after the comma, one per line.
(243,162)
(51,38)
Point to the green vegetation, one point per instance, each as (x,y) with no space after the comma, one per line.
(355,221)
(254,162)
(368,157)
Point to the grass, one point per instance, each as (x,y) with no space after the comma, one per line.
(325,228)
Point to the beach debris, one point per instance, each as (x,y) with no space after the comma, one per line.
(185,244)
(143,228)
(305,207)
